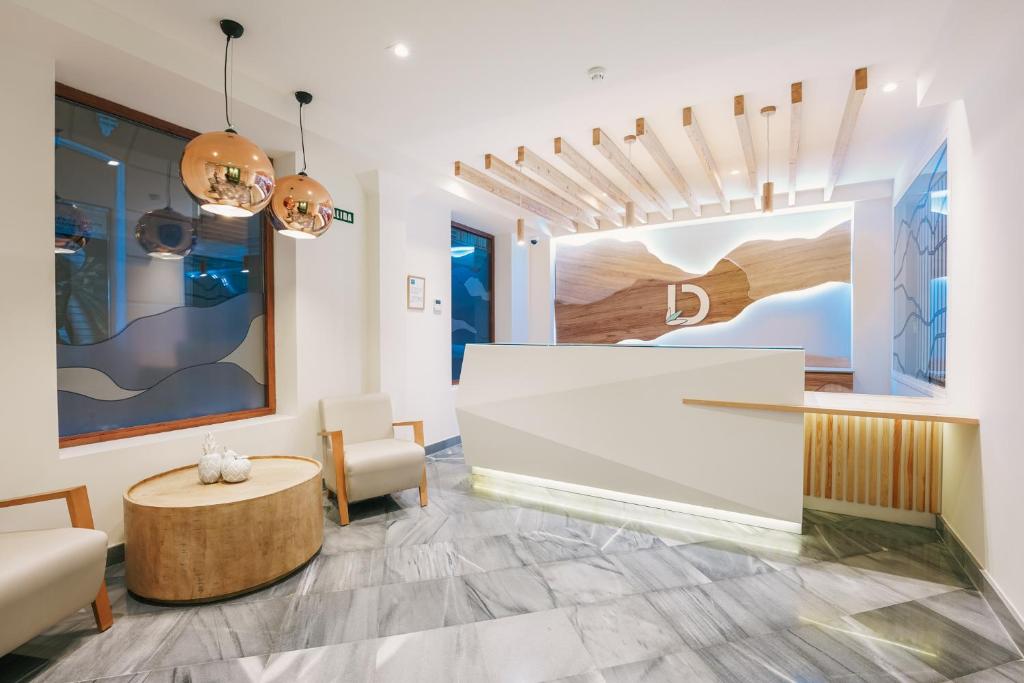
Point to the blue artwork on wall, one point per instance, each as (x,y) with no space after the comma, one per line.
(919,275)
(472,264)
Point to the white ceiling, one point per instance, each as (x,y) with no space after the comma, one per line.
(487,76)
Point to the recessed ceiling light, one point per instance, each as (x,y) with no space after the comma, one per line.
(400,50)
(890,86)
(734,171)
(113,162)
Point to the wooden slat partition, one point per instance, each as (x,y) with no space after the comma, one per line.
(873,461)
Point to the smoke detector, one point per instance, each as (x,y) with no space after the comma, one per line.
(596,73)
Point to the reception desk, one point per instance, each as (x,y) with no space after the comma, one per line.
(607,421)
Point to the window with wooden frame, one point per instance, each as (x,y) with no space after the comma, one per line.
(472,292)
(151,339)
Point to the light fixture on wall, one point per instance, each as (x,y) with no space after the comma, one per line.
(227,174)
(301,208)
(520,231)
(164,233)
(630,219)
(768,189)
(72,227)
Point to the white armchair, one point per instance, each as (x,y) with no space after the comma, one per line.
(47,574)
(366,458)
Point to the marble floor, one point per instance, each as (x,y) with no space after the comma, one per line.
(526,584)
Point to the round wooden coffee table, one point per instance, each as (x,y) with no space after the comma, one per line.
(192,542)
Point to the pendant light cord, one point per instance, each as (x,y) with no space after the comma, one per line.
(227,113)
(768,148)
(302,138)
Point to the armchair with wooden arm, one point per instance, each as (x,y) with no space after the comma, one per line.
(47,574)
(368,460)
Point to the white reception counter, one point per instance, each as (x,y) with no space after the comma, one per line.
(608,421)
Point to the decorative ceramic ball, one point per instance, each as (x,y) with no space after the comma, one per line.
(210,465)
(236,468)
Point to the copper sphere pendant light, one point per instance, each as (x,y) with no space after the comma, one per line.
(164,233)
(227,174)
(301,207)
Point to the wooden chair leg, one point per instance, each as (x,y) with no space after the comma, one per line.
(423,488)
(338,455)
(101,610)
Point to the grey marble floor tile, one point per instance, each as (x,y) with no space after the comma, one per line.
(496,522)
(913,572)
(586,677)
(937,641)
(552,545)
(722,560)
(674,668)
(416,528)
(590,579)
(488,553)
(425,605)
(848,588)
(659,569)
(889,536)
(782,656)
(245,670)
(508,592)
(360,535)
(1006,673)
(321,619)
(404,563)
(222,631)
(725,611)
(127,647)
(969,609)
(624,630)
(345,571)
(531,648)
(445,654)
(347,663)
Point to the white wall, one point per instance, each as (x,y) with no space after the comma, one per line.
(320,303)
(984,472)
(872,295)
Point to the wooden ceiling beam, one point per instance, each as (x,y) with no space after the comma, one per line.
(796,104)
(610,151)
(645,134)
(552,200)
(546,171)
(577,162)
(489,184)
(707,161)
(747,143)
(849,122)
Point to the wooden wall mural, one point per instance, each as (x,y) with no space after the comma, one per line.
(608,290)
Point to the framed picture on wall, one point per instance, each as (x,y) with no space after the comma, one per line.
(415,291)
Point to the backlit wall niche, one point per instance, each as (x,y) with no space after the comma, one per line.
(765,281)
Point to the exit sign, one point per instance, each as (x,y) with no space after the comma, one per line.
(344,216)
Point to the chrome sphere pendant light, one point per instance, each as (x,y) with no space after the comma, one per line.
(301,207)
(227,174)
(72,228)
(164,233)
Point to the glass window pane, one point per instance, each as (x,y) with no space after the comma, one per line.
(472,306)
(919,275)
(143,336)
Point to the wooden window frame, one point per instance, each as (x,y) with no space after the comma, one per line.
(490,284)
(66,92)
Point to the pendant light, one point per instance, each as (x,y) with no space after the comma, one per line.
(768,189)
(301,207)
(630,218)
(520,231)
(164,233)
(71,227)
(227,174)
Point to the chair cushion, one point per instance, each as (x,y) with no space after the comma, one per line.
(46,575)
(364,417)
(376,468)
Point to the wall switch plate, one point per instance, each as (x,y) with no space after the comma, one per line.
(437,305)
